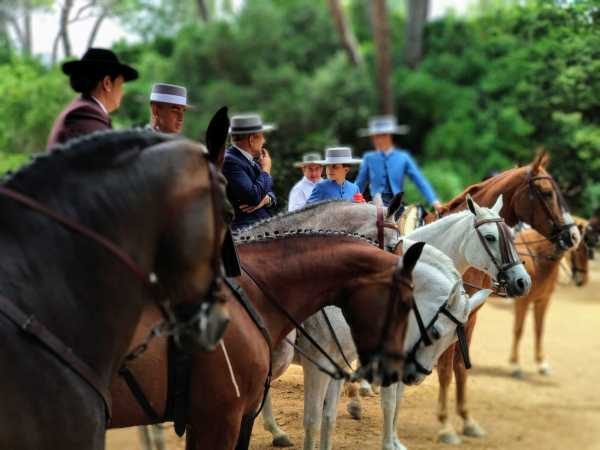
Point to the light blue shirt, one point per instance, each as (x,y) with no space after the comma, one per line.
(378,169)
(330,190)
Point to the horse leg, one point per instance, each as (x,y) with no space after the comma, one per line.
(218,431)
(471,427)
(330,414)
(366,390)
(520,314)
(280,438)
(245,435)
(315,388)
(353,407)
(145,439)
(447,434)
(539,311)
(391,397)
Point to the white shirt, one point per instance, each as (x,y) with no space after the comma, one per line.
(100,104)
(300,193)
(245,153)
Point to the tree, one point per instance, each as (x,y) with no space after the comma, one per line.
(345,32)
(418,11)
(16,16)
(383,55)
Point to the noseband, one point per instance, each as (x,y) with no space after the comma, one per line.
(29,324)
(426,340)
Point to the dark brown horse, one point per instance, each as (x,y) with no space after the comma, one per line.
(542,260)
(530,195)
(301,273)
(153,198)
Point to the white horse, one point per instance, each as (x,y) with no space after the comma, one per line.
(461,231)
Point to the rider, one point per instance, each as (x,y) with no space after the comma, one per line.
(168,104)
(312,170)
(337,162)
(383,169)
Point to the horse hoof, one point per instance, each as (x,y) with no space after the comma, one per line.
(282,441)
(398,445)
(544,369)
(366,391)
(474,430)
(449,437)
(355,410)
(518,374)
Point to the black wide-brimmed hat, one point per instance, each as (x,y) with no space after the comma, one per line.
(96,60)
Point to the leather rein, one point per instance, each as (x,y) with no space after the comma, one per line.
(28,323)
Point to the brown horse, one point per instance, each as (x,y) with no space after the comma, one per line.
(301,273)
(542,260)
(530,195)
(85,233)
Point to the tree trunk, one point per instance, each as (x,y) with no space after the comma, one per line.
(96,27)
(417,18)
(203,10)
(64,26)
(27,39)
(383,56)
(345,32)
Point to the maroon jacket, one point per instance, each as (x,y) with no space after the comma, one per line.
(81,116)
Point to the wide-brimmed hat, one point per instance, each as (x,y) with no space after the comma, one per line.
(248,124)
(383,125)
(169,93)
(338,155)
(309,158)
(99,60)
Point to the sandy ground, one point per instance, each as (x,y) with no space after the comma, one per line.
(560,411)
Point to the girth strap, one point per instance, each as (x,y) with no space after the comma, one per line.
(138,393)
(35,329)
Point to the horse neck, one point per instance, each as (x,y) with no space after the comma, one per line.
(76,288)
(448,235)
(322,272)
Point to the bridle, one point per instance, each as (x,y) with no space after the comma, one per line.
(171,325)
(426,340)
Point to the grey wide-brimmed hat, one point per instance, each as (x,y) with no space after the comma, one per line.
(383,125)
(249,123)
(169,93)
(338,155)
(309,158)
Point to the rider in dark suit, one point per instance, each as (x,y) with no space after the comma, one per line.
(99,77)
(247,167)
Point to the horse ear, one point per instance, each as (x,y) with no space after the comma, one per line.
(541,160)
(498,205)
(216,136)
(471,205)
(478,298)
(395,204)
(411,257)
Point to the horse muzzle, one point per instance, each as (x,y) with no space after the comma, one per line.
(381,369)
(204,330)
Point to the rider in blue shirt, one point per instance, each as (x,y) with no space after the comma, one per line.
(337,162)
(384,169)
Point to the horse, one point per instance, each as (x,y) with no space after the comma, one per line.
(89,234)
(471,238)
(542,260)
(530,195)
(373,288)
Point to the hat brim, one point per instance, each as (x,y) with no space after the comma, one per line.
(324,162)
(266,128)
(400,129)
(74,67)
(308,163)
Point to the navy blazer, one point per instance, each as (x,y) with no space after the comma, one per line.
(82,116)
(247,184)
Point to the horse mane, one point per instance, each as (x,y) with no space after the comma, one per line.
(277,235)
(95,151)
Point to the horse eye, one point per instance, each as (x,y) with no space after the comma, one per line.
(435,333)
(490,238)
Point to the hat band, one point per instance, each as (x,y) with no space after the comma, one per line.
(247,129)
(168,98)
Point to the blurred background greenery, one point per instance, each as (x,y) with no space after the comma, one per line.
(489,89)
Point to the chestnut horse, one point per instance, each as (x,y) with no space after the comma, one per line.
(542,259)
(89,234)
(530,195)
(300,274)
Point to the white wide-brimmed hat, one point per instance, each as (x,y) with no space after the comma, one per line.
(383,125)
(338,155)
(309,158)
(248,124)
(169,93)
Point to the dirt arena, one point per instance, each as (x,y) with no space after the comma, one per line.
(557,412)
